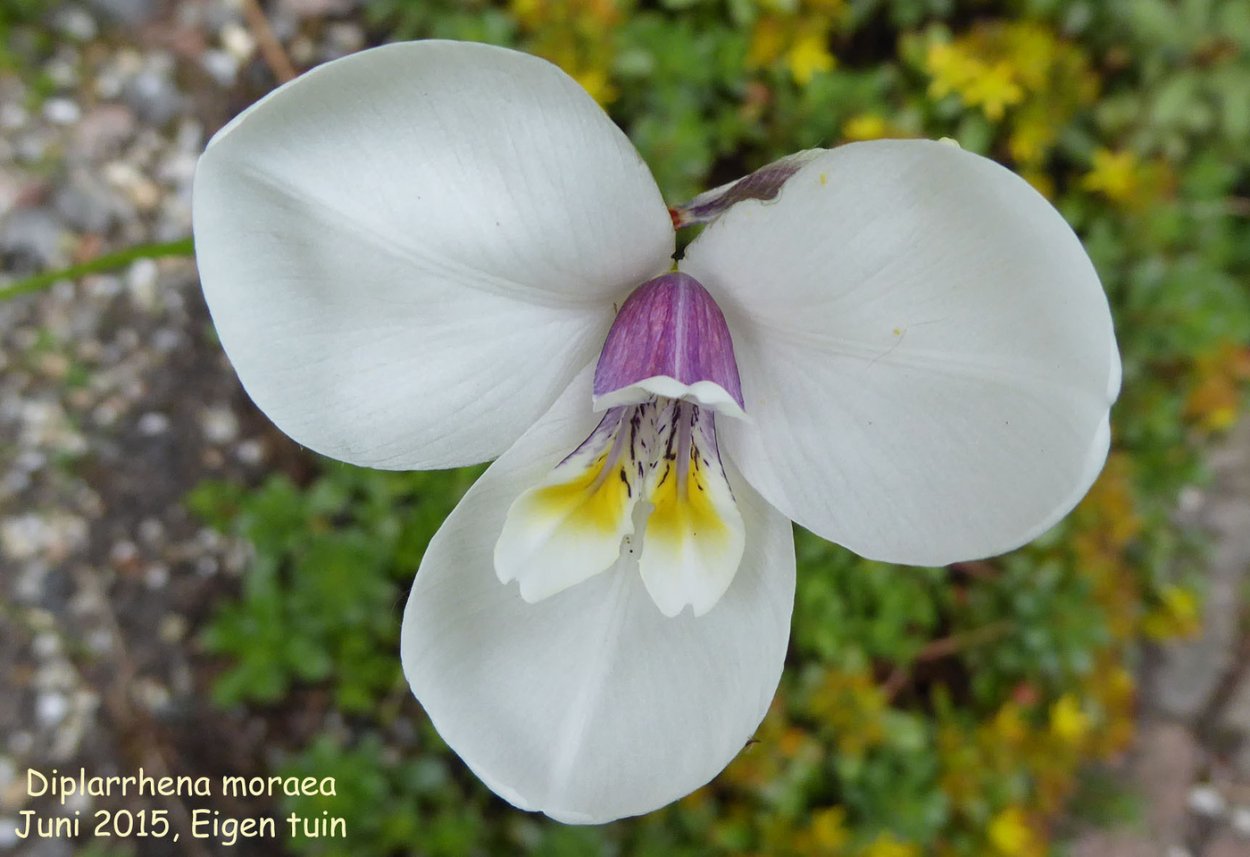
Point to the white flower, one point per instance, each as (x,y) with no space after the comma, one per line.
(414,257)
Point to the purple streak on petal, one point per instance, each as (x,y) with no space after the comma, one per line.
(669,326)
(764,184)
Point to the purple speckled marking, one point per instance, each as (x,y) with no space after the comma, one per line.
(669,326)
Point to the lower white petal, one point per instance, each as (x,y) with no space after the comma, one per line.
(927,353)
(590,705)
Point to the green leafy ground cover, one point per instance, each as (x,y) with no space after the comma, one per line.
(924,711)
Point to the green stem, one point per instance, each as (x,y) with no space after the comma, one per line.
(107,262)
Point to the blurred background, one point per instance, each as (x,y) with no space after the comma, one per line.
(183,589)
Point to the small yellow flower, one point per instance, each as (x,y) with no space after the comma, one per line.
(1176,614)
(866,126)
(1114,174)
(1008,726)
(1032,135)
(950,68)
(1011,835)
(1068,721)
(1214,402)
(529,13)
(808,55)
(994,90)
(1033,49)
(828,829)
(768,42)
(886,845)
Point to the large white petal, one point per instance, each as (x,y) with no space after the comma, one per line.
(590,705)
(925,351)
(410,251)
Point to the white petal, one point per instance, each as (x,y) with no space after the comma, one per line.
(410,251)
(925,350)
(590,705)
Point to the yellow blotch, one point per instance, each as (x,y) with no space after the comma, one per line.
(587,501)
(680,515)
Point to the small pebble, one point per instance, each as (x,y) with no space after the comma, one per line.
(46,645)
(61,111)
(123,553)
(238,41)
(251,452)
(156,576)
(221,66)
(13,116)
(8,832)
(76,23)
(173,628)
(141,281)
(1240,820)
(152,424)
(1206,800)
(220,425)
(151,531)
(51,708)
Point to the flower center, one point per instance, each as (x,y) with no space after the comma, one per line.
(646,490)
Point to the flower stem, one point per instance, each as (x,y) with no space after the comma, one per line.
(107,262)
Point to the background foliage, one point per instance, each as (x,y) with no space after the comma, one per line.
(924,711)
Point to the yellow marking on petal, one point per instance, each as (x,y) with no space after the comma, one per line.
(694,535)
(678,515)
(593,499)
(824,179)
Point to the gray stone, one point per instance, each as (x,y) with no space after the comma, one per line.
(88,204)
(1191,670)
(102,132)
(77,23)
(1227,844)
(317,8)
(61,111)
(153,96)
(1168,762)
(128,12)
(1114,844)
(31,238)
